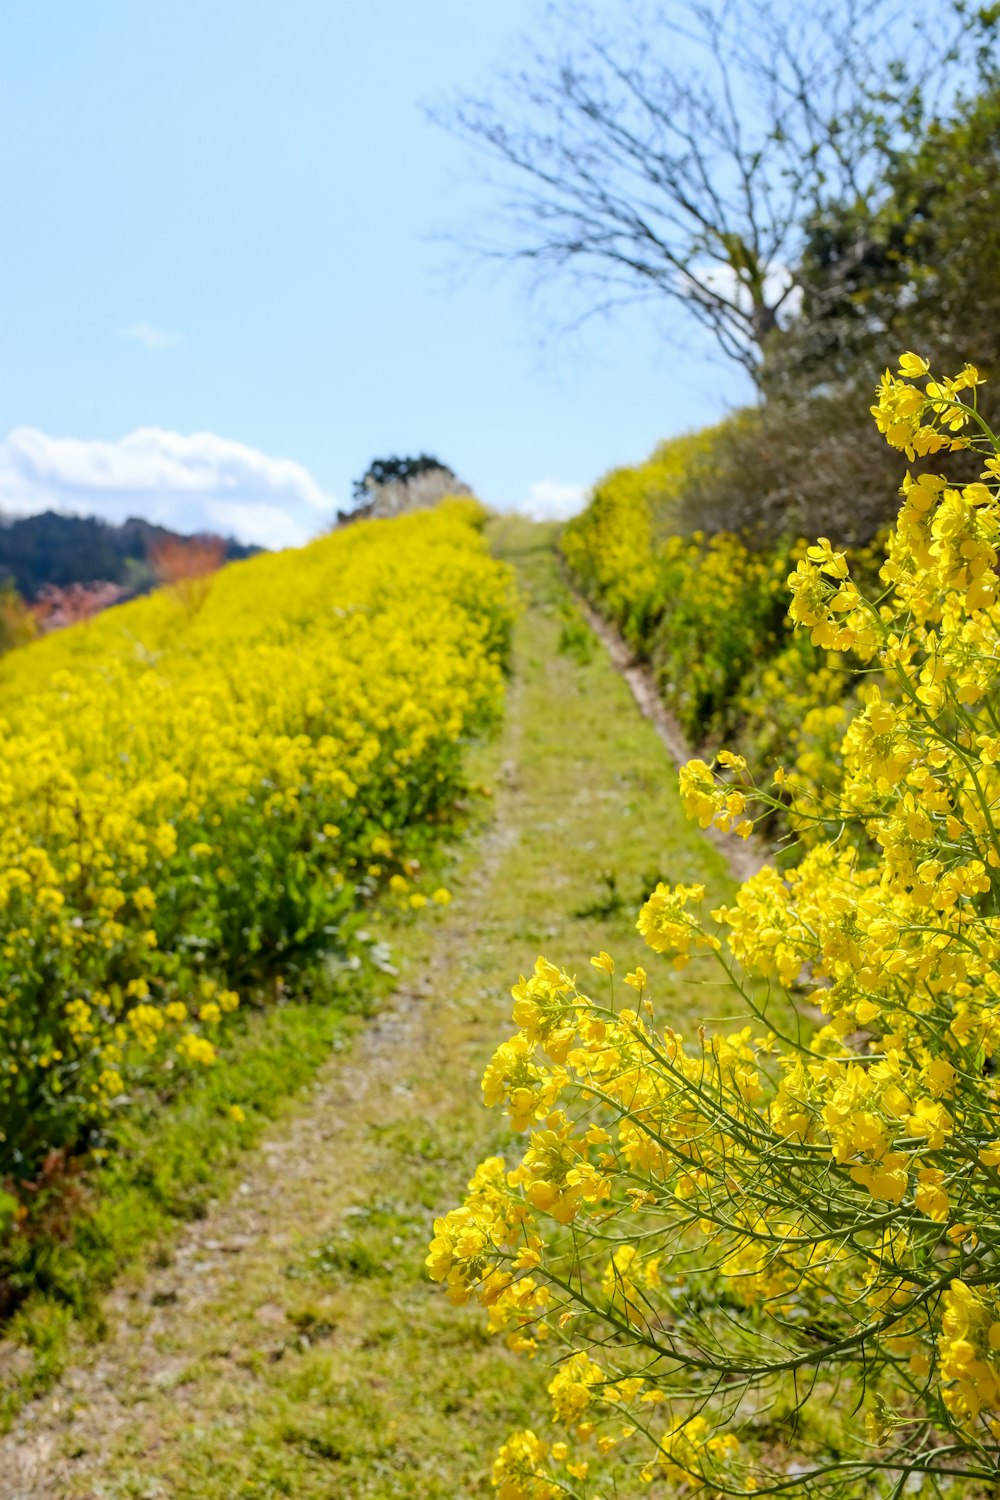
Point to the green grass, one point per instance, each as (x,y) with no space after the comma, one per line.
(306,1354)
(169,1164)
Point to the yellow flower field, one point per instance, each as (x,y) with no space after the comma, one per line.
(199,788)
(709,613)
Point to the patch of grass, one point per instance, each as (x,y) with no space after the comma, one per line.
(610,904)
(612,901)
(168,1167)
(372,1241)
(576,639)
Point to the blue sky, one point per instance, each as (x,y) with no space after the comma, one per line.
(222,287)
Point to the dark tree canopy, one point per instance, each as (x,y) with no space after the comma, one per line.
(393,471)
(62,550)
(917,267)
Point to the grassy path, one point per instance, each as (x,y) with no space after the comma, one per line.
(288,1343)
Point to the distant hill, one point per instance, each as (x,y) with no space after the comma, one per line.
(53,549)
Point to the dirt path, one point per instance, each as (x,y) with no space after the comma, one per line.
(288,1343)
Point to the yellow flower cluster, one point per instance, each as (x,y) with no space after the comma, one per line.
(969,1351)
(197,794)
(808,1201)
(709,614)
(612,549)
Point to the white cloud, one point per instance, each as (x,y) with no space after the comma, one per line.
(196,482)
(153,339)
(248,520)
(547,500)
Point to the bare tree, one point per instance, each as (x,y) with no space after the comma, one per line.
(677,148)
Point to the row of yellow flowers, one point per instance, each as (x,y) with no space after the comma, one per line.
(765,1258)
(197,791)
(709,615)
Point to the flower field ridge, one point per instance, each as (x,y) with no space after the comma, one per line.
(709,613)
(199,790)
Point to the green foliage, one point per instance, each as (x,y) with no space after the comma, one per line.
(914,261)
(918,262)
